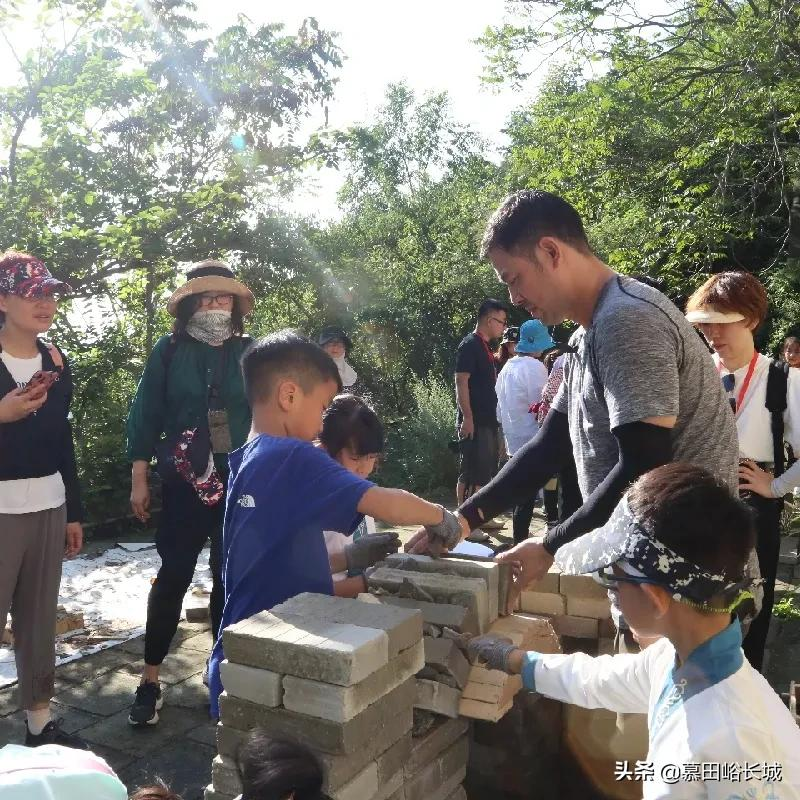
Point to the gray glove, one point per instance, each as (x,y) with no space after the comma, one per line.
(447,532)
(490,650)
(368,550)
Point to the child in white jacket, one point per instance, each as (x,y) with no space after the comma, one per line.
(673,555)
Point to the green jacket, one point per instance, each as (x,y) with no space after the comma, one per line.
(170,400)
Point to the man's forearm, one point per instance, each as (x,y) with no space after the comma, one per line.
(642,447)
(523,476)
(462,396)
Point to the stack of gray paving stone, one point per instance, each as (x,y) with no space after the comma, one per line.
(339,676)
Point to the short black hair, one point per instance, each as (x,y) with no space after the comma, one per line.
(285,354)
(523,218)
(697,516)
(274,769)
(350,422)
(489,305)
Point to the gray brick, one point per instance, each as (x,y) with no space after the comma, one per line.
(436,697)
(341,703)
(321,650)
(394,759)
(393,711)
(425,749)
(445,657)
(391,788)
(363,785)
(439,779)
(402,626)
(260,686)
(225,776)
(468,592)
(487,571)
(440,614)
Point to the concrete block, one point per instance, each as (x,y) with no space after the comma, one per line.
(491,712)
(425,749)
(442,776)
(487,571)
(259,686)
(436,697)
(393,760)
(210,793)
(468,592)
(357,734)
(364,785)
(341,703)
(597,608)
(549,584)
(542,603)
(445,657)
(403,626)
(225,776)
(582,586)
(577,627)
(325,651)
(440,614)
(391,788)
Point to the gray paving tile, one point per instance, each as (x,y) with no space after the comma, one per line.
(104,695)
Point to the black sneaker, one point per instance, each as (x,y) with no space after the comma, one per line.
(52,733)
(144,710)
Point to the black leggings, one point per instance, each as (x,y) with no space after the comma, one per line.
(768,546)
(183,530)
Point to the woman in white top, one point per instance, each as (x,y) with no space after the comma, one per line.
(519,388)
(728,308)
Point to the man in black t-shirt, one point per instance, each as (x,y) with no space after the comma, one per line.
(476,373)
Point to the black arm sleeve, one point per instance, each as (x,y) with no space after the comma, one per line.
(642,447)
(523,476)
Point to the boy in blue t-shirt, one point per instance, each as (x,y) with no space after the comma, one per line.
(283,492)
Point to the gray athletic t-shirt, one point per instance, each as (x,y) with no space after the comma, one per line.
(640,358)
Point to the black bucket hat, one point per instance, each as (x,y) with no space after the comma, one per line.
(331,333)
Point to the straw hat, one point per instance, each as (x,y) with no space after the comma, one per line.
(212,276)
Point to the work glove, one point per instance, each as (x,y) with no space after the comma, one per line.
(490,650)
(446,533)
(368,550)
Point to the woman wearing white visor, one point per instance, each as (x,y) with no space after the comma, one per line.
(765,399)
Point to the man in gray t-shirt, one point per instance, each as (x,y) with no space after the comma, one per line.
(639,358)
(639,389)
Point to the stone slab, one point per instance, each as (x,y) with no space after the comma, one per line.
(391,788)
(403,626)
(394,759)
(445,657)
(106,695)
(436,697)
(425,749)
(331,652)
(549,584)
(394,710)
(442,776)
(487,571)
(582,586)
(363,785)
(596,608)
(490,712)
(342,703)
(577,627)
(225,776)
(440,614)
(468,592)
(261,686)
(543,603)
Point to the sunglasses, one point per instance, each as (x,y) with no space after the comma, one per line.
(728,384)
(207,300)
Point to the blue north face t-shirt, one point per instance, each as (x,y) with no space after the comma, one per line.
(282,493)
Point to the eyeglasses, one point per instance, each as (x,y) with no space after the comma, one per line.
(609,579)
(503,322)
(208,300)
(728,383)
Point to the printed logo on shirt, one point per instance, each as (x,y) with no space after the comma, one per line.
(246,501)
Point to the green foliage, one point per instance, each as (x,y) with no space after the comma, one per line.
(417,453)
(786,609)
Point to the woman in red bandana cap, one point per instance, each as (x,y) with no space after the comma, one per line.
(40,503)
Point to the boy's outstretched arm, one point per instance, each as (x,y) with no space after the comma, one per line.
(398,507)
(618,683)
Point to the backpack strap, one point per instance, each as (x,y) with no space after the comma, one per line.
(55,355)
(777,388)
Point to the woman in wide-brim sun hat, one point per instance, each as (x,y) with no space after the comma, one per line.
(190,411)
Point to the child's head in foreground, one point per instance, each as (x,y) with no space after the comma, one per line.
(674,549)
(352,434)
(278,769)
(289,382)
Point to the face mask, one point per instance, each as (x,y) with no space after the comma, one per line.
(211,327)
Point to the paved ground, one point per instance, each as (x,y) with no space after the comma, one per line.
(93,696)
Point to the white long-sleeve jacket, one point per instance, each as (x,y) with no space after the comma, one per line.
(712,716)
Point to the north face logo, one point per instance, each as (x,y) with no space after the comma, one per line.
(246,501)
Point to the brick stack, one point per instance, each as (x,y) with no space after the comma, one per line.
(338,675)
